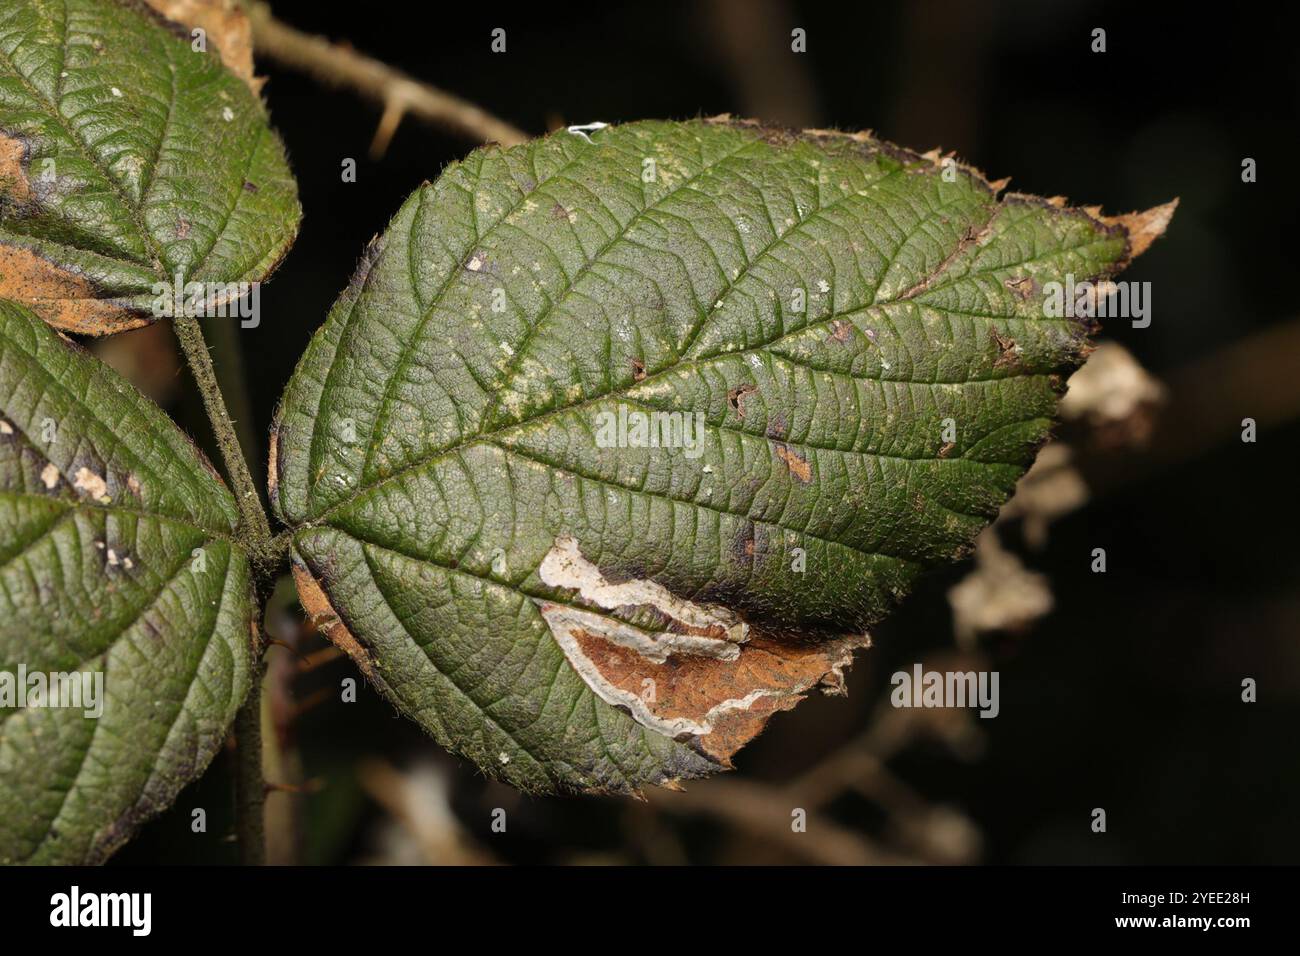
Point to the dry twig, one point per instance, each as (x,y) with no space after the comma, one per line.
(398,93)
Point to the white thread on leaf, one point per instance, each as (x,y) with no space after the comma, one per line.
(585,129)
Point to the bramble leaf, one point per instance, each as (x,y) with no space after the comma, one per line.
(117,559)
(612,437)
(128,158)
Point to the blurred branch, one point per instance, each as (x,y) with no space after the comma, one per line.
(418,801)
(928,834)
(287,787)
(1254,377)
(766,812)
(398,93)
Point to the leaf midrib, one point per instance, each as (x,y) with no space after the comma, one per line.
(489,435)
(189,684)
(84,504)
(619,236)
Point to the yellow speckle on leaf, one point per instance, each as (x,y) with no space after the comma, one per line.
(92,484)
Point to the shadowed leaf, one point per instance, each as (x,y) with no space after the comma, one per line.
(117,559)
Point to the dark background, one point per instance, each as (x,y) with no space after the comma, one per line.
(1126,696)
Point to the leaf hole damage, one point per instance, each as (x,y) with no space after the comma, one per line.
(736,396)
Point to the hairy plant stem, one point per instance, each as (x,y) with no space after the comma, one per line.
(252,519)
(255,529)
(250,786)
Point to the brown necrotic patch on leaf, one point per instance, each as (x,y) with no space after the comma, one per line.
(62,298)
(707,678)
(736,398)
(14,186)
(841,331)
(1008,353)
(1023,286)
(716,703)
(322,614)
(1144,228)
(798,465)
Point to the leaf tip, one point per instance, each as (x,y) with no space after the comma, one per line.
(1144,228)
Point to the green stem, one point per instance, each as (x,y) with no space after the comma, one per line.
(222,336)
(250,784)
(252,518)
(250,787)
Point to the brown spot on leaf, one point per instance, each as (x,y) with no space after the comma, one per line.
(717,705)
(947,448)
(1022,286)
(638,369)
(841,330)
(1007,355)
(742,544)
(776,426)
(736,395)
(62,298)
(799,466)
(14,186)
